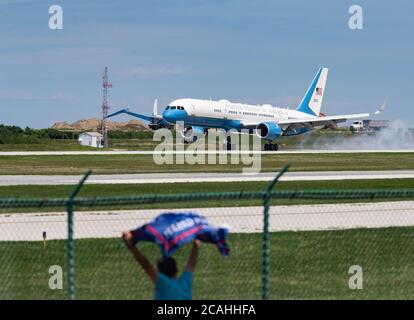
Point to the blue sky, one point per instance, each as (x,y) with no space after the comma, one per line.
(244,51)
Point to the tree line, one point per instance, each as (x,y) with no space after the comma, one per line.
(18,135)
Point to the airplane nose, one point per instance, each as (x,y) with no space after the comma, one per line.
(172,116)
(168,115)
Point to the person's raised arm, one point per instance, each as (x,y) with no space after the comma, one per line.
(192,260)
(139,257)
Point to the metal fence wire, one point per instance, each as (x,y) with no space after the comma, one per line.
(292,244)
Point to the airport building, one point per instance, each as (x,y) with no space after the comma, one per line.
(91,139)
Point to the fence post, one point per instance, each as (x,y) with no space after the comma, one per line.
(266,245)
(71,241)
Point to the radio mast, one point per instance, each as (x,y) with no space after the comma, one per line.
(105,106)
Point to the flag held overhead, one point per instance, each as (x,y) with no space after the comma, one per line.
(173,230)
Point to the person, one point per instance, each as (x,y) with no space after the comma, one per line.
(167,285)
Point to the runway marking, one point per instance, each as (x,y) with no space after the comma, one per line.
(146,178)
(151,152)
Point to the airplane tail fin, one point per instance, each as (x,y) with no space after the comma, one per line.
(382,107)
(312,101)
(155,108)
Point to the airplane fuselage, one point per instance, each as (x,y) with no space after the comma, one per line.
(227,115)
(267,122)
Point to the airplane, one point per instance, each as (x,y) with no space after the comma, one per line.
(266,121)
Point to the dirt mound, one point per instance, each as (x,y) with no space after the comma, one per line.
(94,124)
(131,125)
(62,126)
(86,124)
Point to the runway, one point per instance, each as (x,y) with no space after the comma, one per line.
(109,224)
(9,180)
(150,152)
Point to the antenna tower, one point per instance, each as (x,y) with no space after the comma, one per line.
(105,106)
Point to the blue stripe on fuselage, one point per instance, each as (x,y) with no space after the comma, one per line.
(174,116)
(213,122)
(208,122)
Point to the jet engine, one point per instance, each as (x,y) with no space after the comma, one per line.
(268,131)
(191,134)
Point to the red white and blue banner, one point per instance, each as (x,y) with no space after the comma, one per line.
(173,230)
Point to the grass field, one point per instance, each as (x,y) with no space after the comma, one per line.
(90,190)
(47,145)
(303,265)
(73,145)
(113,164)
(143,140)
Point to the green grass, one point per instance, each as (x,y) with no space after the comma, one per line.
(303,265)
(47,145)
(89,190)
(92,190)
(73,145)
(112,164)
(142,140)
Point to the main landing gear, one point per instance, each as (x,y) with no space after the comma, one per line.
(227,145)
(271,147)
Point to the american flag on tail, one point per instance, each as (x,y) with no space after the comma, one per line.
(318,91)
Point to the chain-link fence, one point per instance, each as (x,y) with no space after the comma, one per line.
(334,244)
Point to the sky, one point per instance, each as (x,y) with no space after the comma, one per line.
(245,51)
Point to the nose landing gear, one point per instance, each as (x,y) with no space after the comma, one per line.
(271,147)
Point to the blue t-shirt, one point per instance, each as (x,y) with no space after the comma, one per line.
(174,289)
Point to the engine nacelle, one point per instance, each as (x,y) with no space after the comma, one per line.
(191,134)
(268,131)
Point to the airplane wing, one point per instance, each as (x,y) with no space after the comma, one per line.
(312,122)
(126,111)
(320,121)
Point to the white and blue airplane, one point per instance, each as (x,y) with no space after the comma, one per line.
(268,122)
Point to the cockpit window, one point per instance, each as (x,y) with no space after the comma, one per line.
(174,107)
